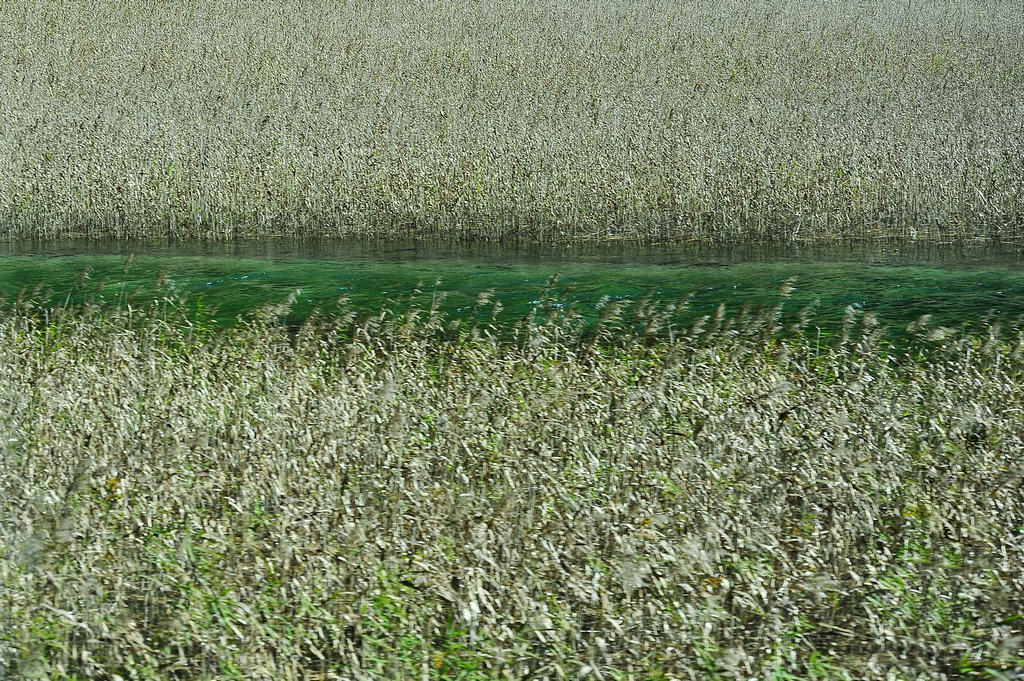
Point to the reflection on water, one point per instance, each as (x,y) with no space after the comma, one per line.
(897,253)
(899,282)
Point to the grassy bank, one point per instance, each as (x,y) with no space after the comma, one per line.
(540,121)
(399,497)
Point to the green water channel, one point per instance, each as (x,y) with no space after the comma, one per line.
(225,282)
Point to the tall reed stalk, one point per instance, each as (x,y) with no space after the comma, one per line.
(400,496)
(536,121)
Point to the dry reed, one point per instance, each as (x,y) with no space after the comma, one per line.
(407,497)
(543,121)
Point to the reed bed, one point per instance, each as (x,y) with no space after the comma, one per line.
(404,496)
(535,121)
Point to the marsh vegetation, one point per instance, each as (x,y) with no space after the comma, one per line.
(437,489)
(541,121)
(404,496)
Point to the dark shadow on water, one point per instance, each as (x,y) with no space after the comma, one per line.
(896,253)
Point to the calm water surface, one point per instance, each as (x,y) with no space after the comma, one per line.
(899,284)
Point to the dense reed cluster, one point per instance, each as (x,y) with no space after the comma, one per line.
(543,120)
(403,496)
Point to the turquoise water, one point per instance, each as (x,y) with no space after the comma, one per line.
(955,289)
